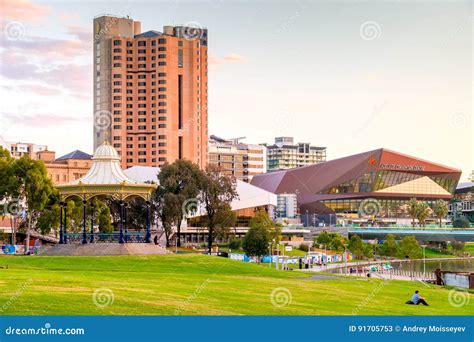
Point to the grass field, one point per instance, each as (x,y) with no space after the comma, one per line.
(200,285)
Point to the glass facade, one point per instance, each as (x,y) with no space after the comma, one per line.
(386,207)
(377,181)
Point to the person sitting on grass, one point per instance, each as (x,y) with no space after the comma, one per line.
(417,299)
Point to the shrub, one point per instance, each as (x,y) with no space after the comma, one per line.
(235,244)
(303,247)
(461,222)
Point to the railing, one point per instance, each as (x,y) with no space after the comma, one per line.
(131,237)
(407,227)
(394,273)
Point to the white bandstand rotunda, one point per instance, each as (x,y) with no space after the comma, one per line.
(105,178)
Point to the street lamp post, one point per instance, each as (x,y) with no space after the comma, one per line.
(270,253)
(345,257)
(424,261)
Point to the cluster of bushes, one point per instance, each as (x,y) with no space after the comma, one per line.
(407,247)
(331,241)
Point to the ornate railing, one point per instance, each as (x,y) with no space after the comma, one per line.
(131,237)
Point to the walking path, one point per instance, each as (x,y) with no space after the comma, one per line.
(366,263)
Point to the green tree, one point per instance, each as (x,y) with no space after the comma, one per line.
(235,244)
(182,179)
(440,210)
(423,211)
(413,210)
(33,187)
(104,218)
(226,219)
(323,239)
(165,205)
(390,247)
(8,186)
(457,246)
(368,250)
(338,243)
(217,192)
(410,248)
(256,241)
(356,246)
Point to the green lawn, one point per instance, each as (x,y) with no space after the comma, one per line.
(198,285)
(469,248)
(434,253)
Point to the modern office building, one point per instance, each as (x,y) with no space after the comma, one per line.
(369,184)
(237,159)
(150,91)
(19,149)
(285,154)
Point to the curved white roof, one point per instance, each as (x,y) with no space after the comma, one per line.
(143,173)
(248,195)
(105,168)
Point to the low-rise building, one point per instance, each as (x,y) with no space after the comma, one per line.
(67,168)
(19,149)
(237,159)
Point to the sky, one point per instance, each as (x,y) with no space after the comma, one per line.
(349,75)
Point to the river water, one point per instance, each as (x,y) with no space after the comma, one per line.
(445,265)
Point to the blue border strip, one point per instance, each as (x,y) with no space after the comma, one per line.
(238,328)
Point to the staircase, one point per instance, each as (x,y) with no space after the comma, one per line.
(103,249)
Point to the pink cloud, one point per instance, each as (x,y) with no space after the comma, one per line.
(67,17)
(23,10)
(233,58)
(230,58)
(69,76)
(40,90)
(50,48)
(42,120)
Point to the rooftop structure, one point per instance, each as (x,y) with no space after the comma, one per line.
(363,184)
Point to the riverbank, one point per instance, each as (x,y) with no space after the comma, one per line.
(356,264)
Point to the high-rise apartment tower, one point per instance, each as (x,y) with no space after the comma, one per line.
(150,91)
